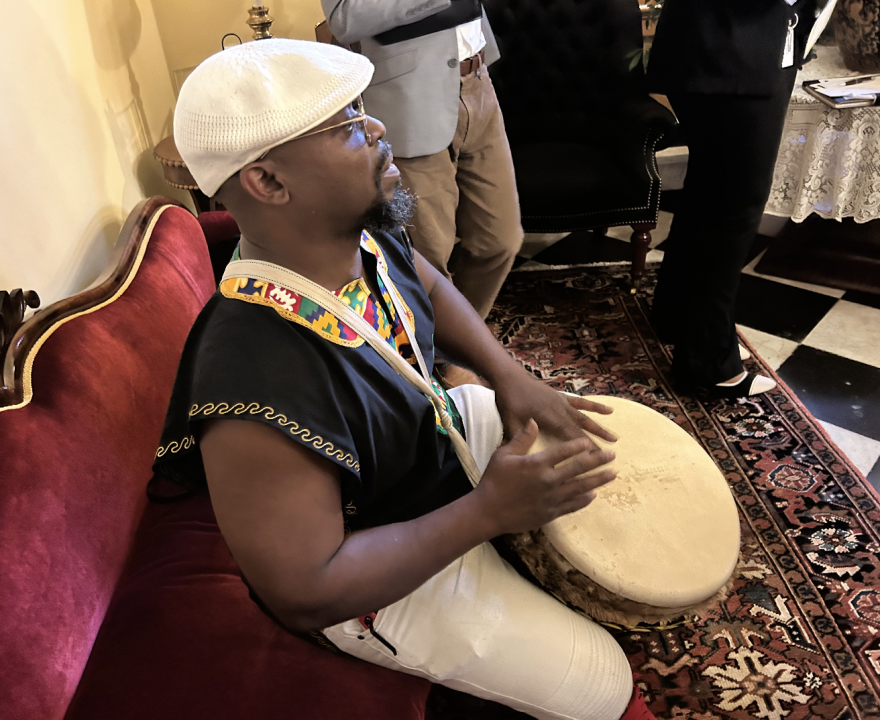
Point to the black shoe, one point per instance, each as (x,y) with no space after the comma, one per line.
(751,384)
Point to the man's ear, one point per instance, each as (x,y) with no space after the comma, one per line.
(258,181)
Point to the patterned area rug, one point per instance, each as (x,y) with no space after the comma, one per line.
(799,636)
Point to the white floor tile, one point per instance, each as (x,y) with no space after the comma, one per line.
(621,232)
(772,349)
(664,223)
(533,243)
(850,330)
(862,451)
(658,234)
(672,165)
(532,265)
(830,292)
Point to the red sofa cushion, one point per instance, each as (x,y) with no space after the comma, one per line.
(218,226)
(183,641)
(74,463)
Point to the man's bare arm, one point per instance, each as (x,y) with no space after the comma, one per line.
(278,506)
(461,333)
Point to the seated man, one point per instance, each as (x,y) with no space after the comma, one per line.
(342,499)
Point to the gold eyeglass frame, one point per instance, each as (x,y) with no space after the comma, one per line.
(357,118)
(360,117)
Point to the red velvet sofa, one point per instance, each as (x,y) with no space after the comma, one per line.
(111,607)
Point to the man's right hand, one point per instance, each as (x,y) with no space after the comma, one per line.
(521,492)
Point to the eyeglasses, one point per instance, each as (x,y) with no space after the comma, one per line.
(360,117)
(358,106)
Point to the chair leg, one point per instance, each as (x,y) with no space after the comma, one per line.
(202,202)
(641,242)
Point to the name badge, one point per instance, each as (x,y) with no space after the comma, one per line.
(788,52)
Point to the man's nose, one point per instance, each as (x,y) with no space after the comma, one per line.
(375,130)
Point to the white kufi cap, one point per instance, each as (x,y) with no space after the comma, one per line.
(250,98)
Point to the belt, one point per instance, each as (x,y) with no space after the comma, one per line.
(474,62)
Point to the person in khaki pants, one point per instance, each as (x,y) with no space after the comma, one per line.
(433,92)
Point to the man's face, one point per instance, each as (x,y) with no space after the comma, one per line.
(345,174)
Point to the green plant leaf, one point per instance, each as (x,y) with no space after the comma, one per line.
(634,57)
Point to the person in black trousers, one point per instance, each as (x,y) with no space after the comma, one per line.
(728,69)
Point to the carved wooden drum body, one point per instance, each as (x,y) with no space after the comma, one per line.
(660,542)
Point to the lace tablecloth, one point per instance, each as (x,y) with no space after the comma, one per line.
(829,160)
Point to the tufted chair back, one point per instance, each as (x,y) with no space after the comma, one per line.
(582,127)
(564,66)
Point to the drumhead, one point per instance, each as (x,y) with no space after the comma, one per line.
(666,531)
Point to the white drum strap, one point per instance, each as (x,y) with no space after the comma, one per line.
(289,280)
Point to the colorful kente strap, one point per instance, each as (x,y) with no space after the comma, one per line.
(356,294)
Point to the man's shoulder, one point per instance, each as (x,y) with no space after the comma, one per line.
(246,357)
(232,319)
(234,334)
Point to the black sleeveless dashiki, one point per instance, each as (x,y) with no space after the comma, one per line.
(261,353)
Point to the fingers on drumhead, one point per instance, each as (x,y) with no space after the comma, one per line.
(589,481)
(598,429)
(562,452)
(583,403)
(598,458)
(578,502)
(525,437)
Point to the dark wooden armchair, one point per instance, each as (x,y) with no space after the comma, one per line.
(582,127)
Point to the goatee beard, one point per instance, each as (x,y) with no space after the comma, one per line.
(389,215)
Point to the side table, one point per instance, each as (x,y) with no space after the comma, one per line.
(828,167)
(829,160)
(177,175)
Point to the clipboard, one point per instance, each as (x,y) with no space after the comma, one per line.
(837,103)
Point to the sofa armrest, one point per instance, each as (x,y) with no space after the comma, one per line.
(16,356)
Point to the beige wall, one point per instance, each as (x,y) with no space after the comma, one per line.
(192,30)
(86,94)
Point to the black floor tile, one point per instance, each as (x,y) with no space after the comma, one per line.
(584,247)
(863,298)
(834,389)
(778,309)
(874,477)
(759,245)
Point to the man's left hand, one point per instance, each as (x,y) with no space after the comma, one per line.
(557,415)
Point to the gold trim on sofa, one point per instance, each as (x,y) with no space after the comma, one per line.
(16,386)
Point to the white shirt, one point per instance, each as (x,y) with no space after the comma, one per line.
(470,38)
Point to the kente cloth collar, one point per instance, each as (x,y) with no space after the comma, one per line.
(356,294)
(292,306)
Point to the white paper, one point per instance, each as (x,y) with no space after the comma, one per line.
(819,26)
(863,86)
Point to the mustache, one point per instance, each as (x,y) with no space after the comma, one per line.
(384,156)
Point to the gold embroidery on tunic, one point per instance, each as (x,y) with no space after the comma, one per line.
(176,446)
(268,413)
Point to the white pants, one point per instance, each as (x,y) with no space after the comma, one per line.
(479,627)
